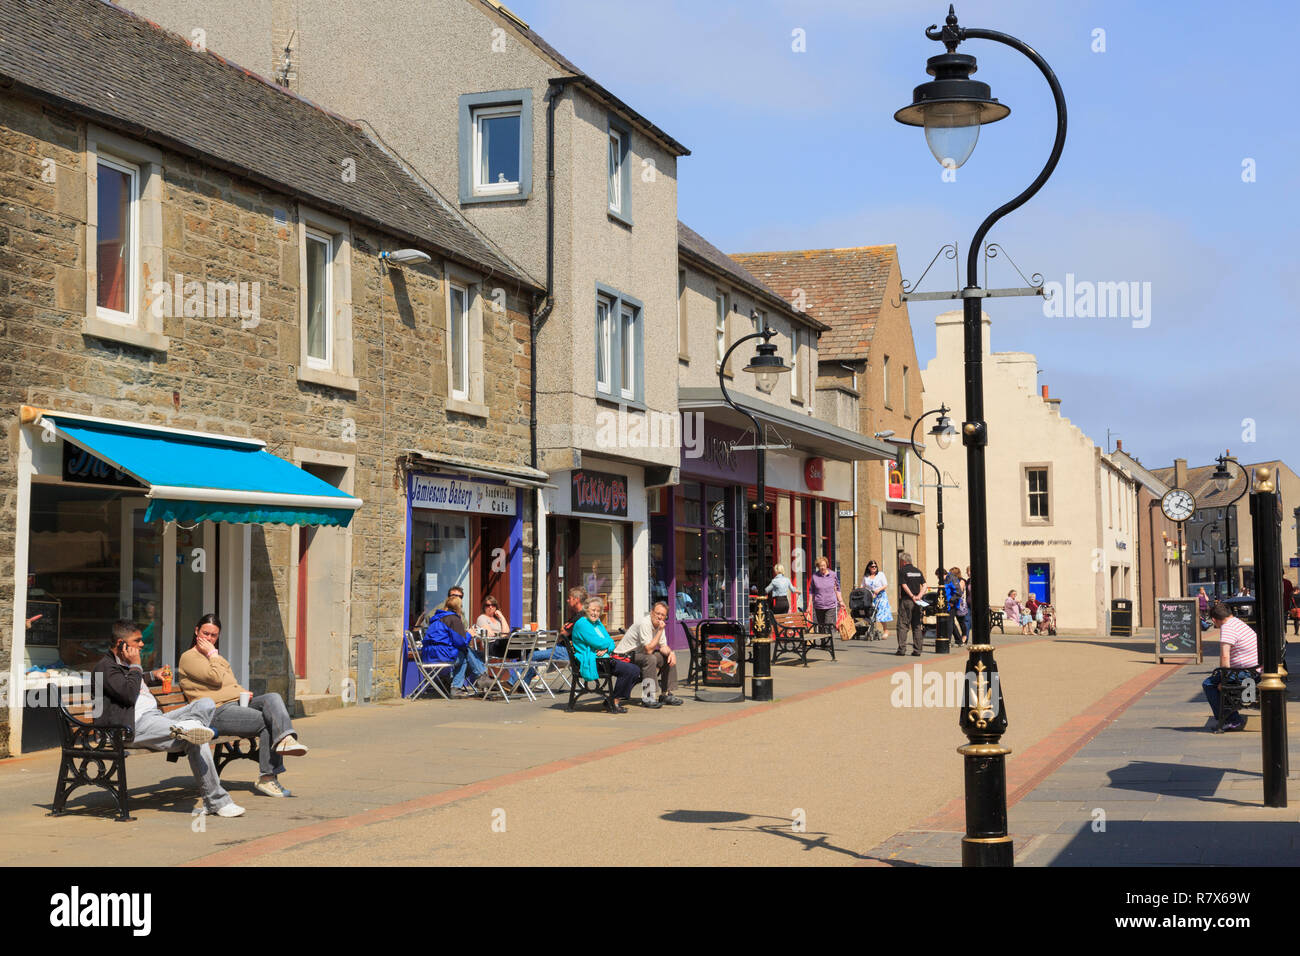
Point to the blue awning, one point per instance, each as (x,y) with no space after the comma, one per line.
(192,477)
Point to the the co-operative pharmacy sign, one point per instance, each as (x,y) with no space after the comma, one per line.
(461,494)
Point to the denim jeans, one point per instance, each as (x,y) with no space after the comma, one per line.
(265,716)
(466,659)
(153,732)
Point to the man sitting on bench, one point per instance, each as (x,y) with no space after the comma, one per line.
(1238,651)
(646,645)
(128,703)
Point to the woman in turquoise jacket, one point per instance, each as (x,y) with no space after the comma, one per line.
(592,642)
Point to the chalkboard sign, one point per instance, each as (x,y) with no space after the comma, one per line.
(1178,630)
(45,631)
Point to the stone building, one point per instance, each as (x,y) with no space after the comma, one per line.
(570,181)
(866,355)
(210,367)
(1062,515)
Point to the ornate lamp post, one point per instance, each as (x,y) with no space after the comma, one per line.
(1212,529)
(767,368)
(1221,478)
(952,108)
(942,431)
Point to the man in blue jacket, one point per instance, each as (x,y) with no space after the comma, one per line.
(446,640)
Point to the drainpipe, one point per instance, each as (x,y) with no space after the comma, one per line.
(539,319)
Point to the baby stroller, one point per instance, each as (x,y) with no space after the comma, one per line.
(862,609)
(1048,626)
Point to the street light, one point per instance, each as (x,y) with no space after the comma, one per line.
(942,433)
(952,108)
(1221,479)
(1213,529)
(767,367)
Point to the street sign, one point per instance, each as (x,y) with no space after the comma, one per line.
(850,514)
(1295,562)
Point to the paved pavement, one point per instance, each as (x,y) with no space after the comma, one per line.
(1154,786)
(840,769)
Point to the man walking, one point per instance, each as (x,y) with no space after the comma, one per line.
(1238,650)
(911,585)
(128,703)
(646,645)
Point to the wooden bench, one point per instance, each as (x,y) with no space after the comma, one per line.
(96,756)
(792,634)
(579,687)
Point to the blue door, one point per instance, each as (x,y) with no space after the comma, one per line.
(1038,583)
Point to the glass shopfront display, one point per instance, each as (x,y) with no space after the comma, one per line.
(705,559)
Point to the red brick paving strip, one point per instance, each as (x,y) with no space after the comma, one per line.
(242,854)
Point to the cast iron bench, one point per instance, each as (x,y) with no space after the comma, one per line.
(96,756)
(579,687)
(1232,687)
(792,634)
(995,620)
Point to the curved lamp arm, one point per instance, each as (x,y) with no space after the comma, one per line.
(765,335)
(934,411)
(975,33)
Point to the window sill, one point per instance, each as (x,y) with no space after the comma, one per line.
(462,407)
(475,198)
(126,334)
(327,377)
(631,404)
(796,400)
(619,218)
(684,359)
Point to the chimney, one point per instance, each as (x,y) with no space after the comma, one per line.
(1180,472)
(1045,396)
(1119,444)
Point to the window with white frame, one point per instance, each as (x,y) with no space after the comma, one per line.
(464,338)
(458,320)
(682,338)
(495,147)
(795,390)
(124,241)
(899,484)
(497,138)
(620,348)
(722,303)
(604,346)
(325,300)
(319,292)
(117,242)
(1038,501)
(615,171)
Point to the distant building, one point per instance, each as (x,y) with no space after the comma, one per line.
(1062,515)
(1159,556)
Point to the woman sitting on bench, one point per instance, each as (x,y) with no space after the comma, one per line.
(205,673)
(592,643)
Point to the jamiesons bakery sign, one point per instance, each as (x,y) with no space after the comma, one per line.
(598,493)
(460,494)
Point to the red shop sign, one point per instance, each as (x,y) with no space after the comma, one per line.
(814,473)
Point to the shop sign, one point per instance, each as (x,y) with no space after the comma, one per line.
(598,493)
(814,473)
(82,467)
(460,494)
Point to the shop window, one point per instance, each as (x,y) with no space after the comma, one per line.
(601,557)
(902,479)
(705,566)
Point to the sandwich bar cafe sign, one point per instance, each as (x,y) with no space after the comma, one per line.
(442,493)
(598,493)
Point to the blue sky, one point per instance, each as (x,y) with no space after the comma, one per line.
(800,150)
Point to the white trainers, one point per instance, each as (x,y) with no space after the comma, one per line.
(231,810)
(289,747)
(192,732)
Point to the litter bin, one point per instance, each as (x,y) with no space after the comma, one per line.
(1121,618)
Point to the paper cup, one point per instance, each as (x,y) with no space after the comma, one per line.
(244,698)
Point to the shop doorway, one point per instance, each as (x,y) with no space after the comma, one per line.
(1040,582)
(321,611)
(592,554)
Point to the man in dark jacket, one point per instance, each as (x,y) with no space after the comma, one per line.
(128,703)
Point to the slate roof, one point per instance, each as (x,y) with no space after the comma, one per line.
(580,76)
(1202,488)
(844,287)
(99,61)
(696,246)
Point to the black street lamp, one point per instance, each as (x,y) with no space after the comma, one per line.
(1221,478)
(942,431)
(1213,529)
(952,107)
(767,368)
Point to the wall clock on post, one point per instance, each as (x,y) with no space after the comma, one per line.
(1178,504)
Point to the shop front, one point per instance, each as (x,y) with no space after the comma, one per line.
(464,528)
(596,538)
(123,520)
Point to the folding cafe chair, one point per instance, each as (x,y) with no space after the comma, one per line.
(517,657)
(429,671)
